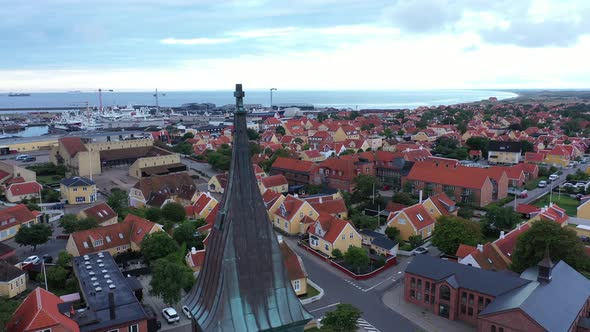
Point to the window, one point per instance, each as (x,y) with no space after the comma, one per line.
(463,309)
(412,294)
(98,243)
(108,239)
(75,189)
(114,330)
(343,237)
(488,302)
(310,213)
(470,311)
(427,286)
(326,247)
(286,225)
(479,301)
(470,299)
(85,188)
(426,298)
(352,235)
(501,329)
(419,283)
(301,215)
(297,285)
(85,244)
(493,328)
(401,221)
(46,330)
(445,293)
(413,282)
(463,297)
(80,199)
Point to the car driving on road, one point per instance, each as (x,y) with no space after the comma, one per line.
(542,184)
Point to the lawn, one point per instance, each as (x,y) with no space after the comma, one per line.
(569,204)
(47,179)
(311,292)
(530,185)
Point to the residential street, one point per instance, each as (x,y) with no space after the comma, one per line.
(365,295)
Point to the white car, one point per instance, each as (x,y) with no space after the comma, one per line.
(170,315)
(542,184)
(186,312)
(32,260)
(553,177)
(22,157)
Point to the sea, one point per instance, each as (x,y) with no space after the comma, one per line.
(397,99)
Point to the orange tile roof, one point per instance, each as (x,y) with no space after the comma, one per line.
(17,214)
(418,216)
(300,166)
(508,243)
(443,203)
(73,145)
(488,258)
(289,207)
(332,207)
(466,177)
(292,262)
(464,250)
(202,202)
(25,188)
(38,312)
(101,212)
(274,181)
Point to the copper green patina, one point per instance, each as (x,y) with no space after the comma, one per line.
(243,285)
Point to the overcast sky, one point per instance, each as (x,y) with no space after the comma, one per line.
(293,44)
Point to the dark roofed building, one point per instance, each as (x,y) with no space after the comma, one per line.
(501,152)
(546,297)
(157,190)
(236,291)
(13,280)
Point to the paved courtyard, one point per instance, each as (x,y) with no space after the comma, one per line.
(157,305)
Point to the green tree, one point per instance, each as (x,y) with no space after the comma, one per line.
(70,223)
(451,231)
(312,189)
(563,244)
(33,207)
(7,309)
(252,134)
(185,233)
(392,233)
(337,253)
(478,143)
(363,188)
(388,133)
(527,146)
(169,279)
(183,148)
(157,245)
(415,241)
(188,135)
(499,218)
(56,276)
(50,196)
(173,212)
(33,235)
(321,117)
(465,212)
(362,221)
(118,201)
(64,258)
(343,319)
(403,198)
(280,130)
(357,258)
(153,214)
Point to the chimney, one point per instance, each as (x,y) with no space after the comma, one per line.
(321,200)
(112,305)
(501,234)
(480,247)
(544,267)
(550,204)
(193,250)
(420,197)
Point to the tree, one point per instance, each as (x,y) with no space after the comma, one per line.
(153,214)
(403,198)
(562,242)
(70,223)
(415,241)
(343,319)
(499,218)
(157,245)
(465,212)
(118,201)
(252,134)
(321,117)
(337,253)
(478,143)
(183,148)
(362,221)
(7,309)
(56,276)
(392,232)
(387,133)
(527,146)
(168,280)
(33,235)
(357,258)
(188,135)
(363,188)
(33,207)
(280,130)
(185,233)
(63,258)
(173,212)
(451,231)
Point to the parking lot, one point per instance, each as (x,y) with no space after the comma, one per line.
(157,305)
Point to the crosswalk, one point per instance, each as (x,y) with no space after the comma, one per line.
(366,325)
(354,284)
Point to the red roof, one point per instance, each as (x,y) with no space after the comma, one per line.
(527,209)
(101,212)
(534,157)
(289,207)
(330,206)
(17,214)
(292,263)
(198,257)
(555,213)
(443,203)
(73,145)
(300,166)
(312,153)
(18,179)
(466,177)
(274,181)
(418,216)
(488,258)
(332,227)
(202,202)
(394,207)
(508,243)
(270,197)
(25,188)
(38,312)
(464,250)
(3,174)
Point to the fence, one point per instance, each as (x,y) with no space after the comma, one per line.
(313,298)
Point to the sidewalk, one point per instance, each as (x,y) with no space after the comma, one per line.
(422,317)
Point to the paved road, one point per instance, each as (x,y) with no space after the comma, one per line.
(534,194)
(203,167)
(366,296)
(52,247)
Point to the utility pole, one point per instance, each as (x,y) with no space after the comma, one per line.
(45,275)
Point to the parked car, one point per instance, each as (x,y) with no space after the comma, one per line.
(421,250)
(568,185)
(32,260)
(523,194)
(571,164)
(581,185)
(186,312)
(22,157)
(47,258)
(542,184)
(553,177)
(170,315)
(29,159)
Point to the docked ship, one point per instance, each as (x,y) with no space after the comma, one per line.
(12,94)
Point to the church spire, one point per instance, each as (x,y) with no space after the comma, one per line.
(243,285)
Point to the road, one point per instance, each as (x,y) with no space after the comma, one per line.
(534,194)
(203,167)
(365,295)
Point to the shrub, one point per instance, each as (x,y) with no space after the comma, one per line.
(337,254)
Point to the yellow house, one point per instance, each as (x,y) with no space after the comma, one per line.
(13,218)
(501,152)
(295,270)
(16,192)
(272,200)
(440,204)
(584,210)
(78,190)
(163,163)
(559,156)
(42,144)
(13,280)
(411,221)
(276,183)
(329,233)
(217,183)
(427,135)
(294,215)
(339,135)
(203,206)
(117,238)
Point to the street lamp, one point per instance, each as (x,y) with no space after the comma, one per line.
(271,90)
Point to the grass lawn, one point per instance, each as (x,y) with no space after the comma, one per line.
(569,204)
(530,185)
(46,179)
(311,292)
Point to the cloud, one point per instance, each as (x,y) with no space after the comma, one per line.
(195,41)
(261,33)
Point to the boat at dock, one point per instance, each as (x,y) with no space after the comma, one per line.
(17,94)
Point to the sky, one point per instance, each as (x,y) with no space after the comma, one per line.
(54,45)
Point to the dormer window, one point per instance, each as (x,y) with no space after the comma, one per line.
(98,243)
